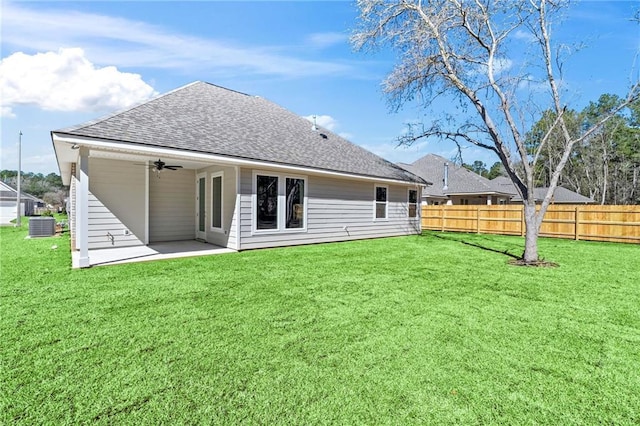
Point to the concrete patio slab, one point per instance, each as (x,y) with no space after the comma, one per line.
(157,251)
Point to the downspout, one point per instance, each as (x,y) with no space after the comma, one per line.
(445,181)
(419,207)
(18,190)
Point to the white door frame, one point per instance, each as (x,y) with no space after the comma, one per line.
(201,207)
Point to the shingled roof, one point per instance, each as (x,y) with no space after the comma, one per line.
(205,118)
(560,194)
(8,192)
(460,180)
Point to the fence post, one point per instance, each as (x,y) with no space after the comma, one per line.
(522,221)
(577,223)
(443,218)
(478,220)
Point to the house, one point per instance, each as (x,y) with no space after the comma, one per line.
(459,186)
(208,163)
(8,204)
(561,195)
(454,184)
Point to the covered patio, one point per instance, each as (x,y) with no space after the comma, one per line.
(157,251)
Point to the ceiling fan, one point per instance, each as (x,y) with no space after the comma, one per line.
(160,165)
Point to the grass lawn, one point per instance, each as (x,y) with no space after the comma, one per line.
(411,330)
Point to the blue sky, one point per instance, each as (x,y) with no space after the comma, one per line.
(64,63)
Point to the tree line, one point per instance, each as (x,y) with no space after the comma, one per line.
(49,187)
(605,165)
(480,168)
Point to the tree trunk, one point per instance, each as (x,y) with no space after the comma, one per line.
(632,197)
(531,232)
(605,175)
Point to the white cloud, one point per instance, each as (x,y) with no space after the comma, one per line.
(324,40)
(524,36)
(325,121)
(67,81)
(128,43)
(500,66)
(37,160)
(6,111)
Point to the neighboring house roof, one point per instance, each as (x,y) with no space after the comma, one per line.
(7,192)
(504,183)
(461,181)
(560,195)
(205,118)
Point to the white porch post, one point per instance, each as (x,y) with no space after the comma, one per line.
(82,209)
(237,209)
(489,200)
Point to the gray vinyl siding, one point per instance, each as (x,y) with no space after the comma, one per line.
(116,204)
(172,202)
(332,205)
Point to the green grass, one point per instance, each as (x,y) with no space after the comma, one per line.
(412,330)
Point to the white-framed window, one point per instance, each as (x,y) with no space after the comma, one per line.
(279,202)
(294,197)
(217,198)
(266,209)
(412,201)
(380,202)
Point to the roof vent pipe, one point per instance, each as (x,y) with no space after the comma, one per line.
(314,127)
(445,181)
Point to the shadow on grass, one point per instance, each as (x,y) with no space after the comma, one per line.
(458,238)
(516,260)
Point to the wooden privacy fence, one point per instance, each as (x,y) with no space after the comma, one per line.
(579,222)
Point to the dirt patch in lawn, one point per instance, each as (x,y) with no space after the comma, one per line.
(537,264)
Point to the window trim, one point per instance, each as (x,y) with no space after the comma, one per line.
(213,176)
(281,227)
(409,203)
(375,203)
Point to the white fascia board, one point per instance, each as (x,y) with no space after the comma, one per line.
(196,156)
(474,193)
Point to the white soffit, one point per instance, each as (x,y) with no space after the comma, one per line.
(203,159)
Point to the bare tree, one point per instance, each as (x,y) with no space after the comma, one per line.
(461,48)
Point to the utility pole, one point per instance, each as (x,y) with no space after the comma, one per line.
(19,195)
